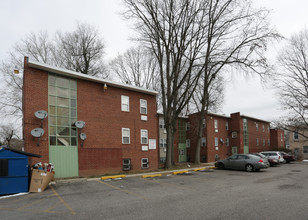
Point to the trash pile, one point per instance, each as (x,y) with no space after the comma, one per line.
(42,174)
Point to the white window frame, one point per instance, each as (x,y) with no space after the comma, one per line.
(124,103)
(123,135)
(257,127)
(257,142)
(263,142)
(216,125)
(216,141)
(145,161)
(187,143)
(203,142)
(162,142)
(144,136)
(227,142)
(227,125)
(234,134)
(263,128)
(204,123)
(143,105)
(162,123)
(126,166)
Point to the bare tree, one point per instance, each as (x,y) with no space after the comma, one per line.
(291,81)
(237,37)
(174,32)
(37,46)
(7,132)
(136,67)
(198,38)
(81,50)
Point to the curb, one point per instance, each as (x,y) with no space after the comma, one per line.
(113,177)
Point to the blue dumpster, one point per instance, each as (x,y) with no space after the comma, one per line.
(14,171)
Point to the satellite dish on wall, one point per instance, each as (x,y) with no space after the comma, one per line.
(83,136)
(80,124)
(41,114)
(37,132)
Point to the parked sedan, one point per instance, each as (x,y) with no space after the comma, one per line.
(288,157)
(271,160)
(246,162)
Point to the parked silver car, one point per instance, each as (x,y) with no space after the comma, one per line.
(246,162)
(274,155)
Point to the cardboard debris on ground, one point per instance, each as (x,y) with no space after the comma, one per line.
(40,180)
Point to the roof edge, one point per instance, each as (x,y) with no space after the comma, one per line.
(70,73)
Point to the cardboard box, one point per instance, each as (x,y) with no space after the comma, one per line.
(40,180)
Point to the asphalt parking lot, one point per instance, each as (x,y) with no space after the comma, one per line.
(275,193)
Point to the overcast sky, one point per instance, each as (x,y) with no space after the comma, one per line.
(248,96)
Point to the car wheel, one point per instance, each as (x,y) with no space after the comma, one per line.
(249,168)
(221,166)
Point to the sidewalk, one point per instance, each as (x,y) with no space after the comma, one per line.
(203,166)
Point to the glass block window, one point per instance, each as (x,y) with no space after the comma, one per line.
(62,110)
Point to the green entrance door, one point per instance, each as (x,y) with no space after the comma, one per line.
(65,160)
(182,153)
(246,149)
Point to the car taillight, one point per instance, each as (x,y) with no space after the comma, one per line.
(260,161)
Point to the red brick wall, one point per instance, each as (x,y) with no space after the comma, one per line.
(103,150)
(277,139)
(223,150)
(209,133)
(253,134)
(35,97)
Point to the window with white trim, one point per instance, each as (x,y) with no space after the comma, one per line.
(126,164)
(162,123)
(143,106)
(204,123)
(162,143)
(234,134)
(125,136)
(144,136)
(263,128)
(145,163)
(187,143)
(203,142)
(257,127)
(125,103)
(227,142)
(227,125)
(216,125)
(216,141)
(257,141)
(263,142)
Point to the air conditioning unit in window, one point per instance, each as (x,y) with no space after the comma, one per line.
(165,131)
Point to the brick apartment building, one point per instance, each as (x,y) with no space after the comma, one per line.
(277,139)
(120,122)
(180,142)
(227,135)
